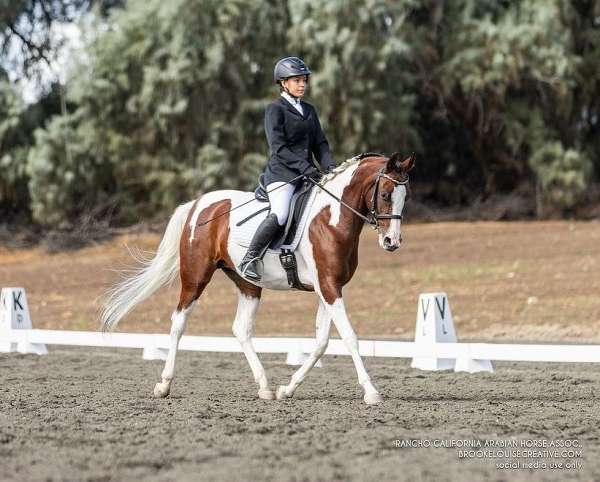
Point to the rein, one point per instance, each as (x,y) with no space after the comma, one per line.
(203,223)
(374,217)
(362,216)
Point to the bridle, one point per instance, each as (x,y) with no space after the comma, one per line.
(375,217)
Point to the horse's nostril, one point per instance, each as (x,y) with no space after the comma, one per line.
(387,241)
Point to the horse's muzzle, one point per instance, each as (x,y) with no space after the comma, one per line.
(389,245)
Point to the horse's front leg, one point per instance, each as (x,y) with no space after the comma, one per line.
(337,310)
(323,324)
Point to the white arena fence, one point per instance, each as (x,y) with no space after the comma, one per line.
(377,348)
(435,346)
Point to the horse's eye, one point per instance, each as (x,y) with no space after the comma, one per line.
(386,196)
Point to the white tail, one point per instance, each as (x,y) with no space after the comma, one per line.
(153,274)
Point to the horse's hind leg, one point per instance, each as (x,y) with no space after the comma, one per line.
(323,323)
(243,327)
(190,292)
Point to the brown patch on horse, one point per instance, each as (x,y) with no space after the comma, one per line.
(335,248)
(224,261)
(199,260)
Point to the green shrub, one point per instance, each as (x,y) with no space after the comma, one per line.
(561,176)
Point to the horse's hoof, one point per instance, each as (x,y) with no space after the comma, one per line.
(161,390)
(266,394)
(373,398)
(280,395)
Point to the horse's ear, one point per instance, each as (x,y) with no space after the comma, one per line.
(408,163)
(395,162)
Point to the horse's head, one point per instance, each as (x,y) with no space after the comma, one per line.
(386,197)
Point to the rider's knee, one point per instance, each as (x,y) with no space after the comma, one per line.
(281,212)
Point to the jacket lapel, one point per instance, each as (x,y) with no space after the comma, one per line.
(290,107)
(304,109)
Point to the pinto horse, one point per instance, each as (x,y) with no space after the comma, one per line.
(372,189)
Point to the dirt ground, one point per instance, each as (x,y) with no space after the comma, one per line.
(534,281)
(87,415)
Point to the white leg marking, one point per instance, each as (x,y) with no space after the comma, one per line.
(323,324)
(243,326)
(178,319)
(337,311)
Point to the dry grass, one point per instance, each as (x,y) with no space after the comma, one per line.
(489,270)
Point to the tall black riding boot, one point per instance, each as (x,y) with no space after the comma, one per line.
(258,247)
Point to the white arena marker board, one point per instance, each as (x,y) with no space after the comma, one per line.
(14,315)
(435,325)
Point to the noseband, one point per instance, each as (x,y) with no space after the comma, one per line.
(374,216)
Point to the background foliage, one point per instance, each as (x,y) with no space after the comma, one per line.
(167,99)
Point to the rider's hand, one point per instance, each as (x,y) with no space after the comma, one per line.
(313,173)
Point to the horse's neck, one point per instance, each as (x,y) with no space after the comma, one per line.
(347,224)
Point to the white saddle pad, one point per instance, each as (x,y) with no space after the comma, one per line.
(242,235)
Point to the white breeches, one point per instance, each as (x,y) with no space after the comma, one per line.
(280,200)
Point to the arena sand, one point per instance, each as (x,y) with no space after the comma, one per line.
(87,414)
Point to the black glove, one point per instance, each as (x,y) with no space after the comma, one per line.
(313,173)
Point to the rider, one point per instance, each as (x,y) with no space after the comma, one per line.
(294,135)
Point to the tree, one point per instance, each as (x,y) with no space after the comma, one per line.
(13,151)
(169,103)
(492,70)
(26,28)
(361,54)
(169,99)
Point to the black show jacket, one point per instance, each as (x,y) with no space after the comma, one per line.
(293,139)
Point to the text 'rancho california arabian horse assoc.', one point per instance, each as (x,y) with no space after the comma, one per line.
(210,233)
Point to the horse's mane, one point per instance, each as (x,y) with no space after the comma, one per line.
(348,163)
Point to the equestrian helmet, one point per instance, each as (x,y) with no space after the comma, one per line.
(290,67)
